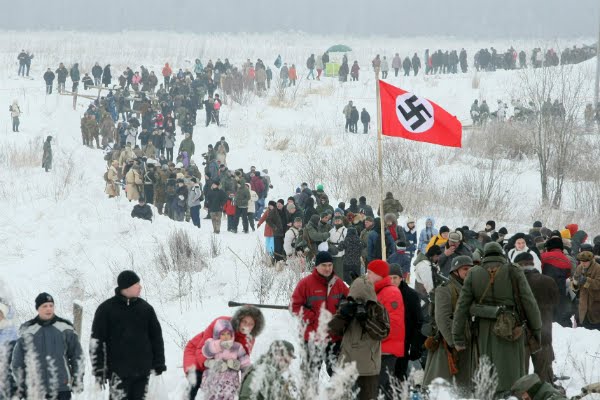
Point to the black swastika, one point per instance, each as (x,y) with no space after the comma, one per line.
(415,111)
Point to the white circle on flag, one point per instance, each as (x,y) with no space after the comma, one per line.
(414,113)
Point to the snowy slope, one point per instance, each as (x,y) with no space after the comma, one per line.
(62,235)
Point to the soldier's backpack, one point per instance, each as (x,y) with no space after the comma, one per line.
(106,176)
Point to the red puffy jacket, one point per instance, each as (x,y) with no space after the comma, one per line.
(314,292)
(391,298)
(192,355)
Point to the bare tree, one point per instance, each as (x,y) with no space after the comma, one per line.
(555,95)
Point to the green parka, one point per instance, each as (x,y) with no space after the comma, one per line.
(507,356)
(446,299)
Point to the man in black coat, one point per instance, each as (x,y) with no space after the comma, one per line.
(97,74)
(49,79)
(142,210)
(365,118)
(127,343)
(215,201)
(413,321)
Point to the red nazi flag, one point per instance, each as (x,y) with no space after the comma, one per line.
(406,115)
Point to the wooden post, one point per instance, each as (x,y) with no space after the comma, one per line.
(77,317)
(380,166)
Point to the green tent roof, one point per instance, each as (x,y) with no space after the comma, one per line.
(339,48)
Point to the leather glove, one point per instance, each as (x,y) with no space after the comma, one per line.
(234,364)
(159,369)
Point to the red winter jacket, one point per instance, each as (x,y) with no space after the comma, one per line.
(391,298)
(268,230)
(192,355)
(314,292)
(257,184)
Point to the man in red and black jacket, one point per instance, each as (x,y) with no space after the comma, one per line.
(390,297)
(556,265)
(321,289)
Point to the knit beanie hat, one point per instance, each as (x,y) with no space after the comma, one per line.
(554,243)
(272,203)
(323,257)
(395,269)
(537,224)
(127,279)
(444,229)
(379,267)
(41,299)
(492,224)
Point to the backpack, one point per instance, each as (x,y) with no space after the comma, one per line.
(106,176)
(298,241)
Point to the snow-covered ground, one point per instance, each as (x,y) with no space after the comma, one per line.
(61,234)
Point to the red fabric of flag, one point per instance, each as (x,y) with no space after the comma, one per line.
(406,115)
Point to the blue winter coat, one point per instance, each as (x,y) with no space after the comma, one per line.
(411,240)
(55,343)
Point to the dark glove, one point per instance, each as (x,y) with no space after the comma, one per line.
(581,281)
(347,309)
(159,369)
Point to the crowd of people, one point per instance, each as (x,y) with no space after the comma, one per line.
(476,293)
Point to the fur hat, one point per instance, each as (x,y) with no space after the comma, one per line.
(585,256)
(272,203)
(127,279)
(522,257)
(42,298)
(554,243)
(323,257)
(222,325)
(249,311)
(379,267)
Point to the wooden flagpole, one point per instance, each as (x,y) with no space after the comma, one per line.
(380,165)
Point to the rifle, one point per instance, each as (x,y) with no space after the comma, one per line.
(271,306)
(532,342)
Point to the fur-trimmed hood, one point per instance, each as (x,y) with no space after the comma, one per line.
(255,313)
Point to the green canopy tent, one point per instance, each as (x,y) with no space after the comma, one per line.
(333,66)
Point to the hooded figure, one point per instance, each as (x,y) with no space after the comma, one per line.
(427,233)
(363,323)
(225,358)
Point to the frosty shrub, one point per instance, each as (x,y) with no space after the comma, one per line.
(485,190)
(262,273)
(13,156)
(5,389)
(313,358)
(485,380)
(215,246)
(288,279)
(66,176)
(499,140)
(179,259)
(272,142)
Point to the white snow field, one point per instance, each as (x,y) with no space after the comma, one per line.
(61,234)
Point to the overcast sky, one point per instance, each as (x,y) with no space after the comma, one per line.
(543,19)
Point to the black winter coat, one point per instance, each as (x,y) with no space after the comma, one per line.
(413,321)
(128,336)
(215,200)
(365,118)
(49,77)
(143,212)
(96,71)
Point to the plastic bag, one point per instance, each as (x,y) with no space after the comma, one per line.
(157,389)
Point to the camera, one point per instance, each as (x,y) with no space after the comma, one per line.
(361,312)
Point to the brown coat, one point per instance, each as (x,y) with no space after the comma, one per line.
(589,293)
(133,181)
(112,188)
